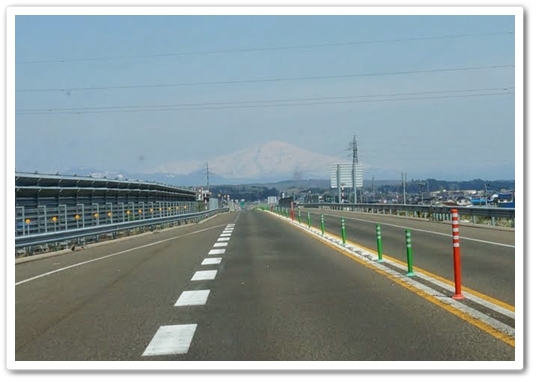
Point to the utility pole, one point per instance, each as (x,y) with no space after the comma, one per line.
(339,181)
(355,161)
(373,193)
(404,179)
(208,185)
(421,185)
(207,177)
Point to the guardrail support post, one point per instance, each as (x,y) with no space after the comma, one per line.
(64,208)
(409,253)
(379,242)
(45,217)
(456,256)
(343,232)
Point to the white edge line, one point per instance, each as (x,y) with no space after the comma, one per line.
(432,292)
(426,231)
(369,255)
(111,255)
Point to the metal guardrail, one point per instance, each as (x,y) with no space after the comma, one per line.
(64,235)
(433,212)
(47,218)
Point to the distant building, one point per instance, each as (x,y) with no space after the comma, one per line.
(272,200)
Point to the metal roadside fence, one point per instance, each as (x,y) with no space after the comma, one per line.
(123,220)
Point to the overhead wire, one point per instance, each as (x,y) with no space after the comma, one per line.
(268,105)
(93,88)
(258,49)
(104,108)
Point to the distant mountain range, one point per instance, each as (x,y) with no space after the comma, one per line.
(269,165)
(271,161)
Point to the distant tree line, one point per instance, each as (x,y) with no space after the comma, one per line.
(413,186)
(248,193)
(425,185)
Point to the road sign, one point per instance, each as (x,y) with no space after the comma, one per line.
(345,175)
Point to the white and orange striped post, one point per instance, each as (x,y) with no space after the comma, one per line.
(456,256)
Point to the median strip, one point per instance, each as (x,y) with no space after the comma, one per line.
(473,316)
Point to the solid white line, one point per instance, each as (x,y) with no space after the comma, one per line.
(204,275)
(111,255)
(426,231)
(469,296)
(220,244)
(193,297)
(211,260)
(171,339)
(217,251)
(368,256)
(224,239)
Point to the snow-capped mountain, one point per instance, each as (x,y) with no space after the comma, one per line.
(273,159)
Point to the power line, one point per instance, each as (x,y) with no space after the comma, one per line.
(266,80)
(274,105)
(258,49)
(261,101)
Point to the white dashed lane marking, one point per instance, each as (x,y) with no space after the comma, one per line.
(171,339)
(176,339)
(193,297)
(211,260)
(204,275)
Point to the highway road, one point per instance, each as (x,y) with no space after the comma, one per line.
(241,286)
(487,253)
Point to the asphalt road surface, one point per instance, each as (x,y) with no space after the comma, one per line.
(270,292)
(487,254)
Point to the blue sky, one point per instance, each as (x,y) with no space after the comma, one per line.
(450,138)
